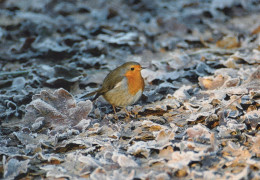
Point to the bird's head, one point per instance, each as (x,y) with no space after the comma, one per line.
(132,69)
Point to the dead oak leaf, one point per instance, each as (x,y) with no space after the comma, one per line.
(57,110)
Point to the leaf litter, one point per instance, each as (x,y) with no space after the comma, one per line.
(198,116)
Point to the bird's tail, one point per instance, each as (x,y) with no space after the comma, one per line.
(90,94)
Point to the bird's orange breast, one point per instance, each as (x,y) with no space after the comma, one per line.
(135,82)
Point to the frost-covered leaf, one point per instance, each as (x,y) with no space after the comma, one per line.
(14,167)
(123,160)
(58,110)
(198,115)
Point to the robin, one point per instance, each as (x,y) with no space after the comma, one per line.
(123,86)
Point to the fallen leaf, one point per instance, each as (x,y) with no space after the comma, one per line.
(228,43)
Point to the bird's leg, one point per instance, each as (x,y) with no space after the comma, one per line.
(128,114)
(115,111)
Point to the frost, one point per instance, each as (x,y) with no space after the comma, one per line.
(198,117)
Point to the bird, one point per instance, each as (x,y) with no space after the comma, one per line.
(122,87)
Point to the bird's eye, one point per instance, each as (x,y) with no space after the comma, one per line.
(132,69)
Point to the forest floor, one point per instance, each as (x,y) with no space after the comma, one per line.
(198,117)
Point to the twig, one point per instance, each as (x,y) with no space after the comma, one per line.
(14,73)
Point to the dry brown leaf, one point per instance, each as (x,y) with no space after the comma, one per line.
(234,150)
(162,176)
(123,160)
(253,118)
(198,131)
(166,153)
(256,30)
(212,82)
(232,82)
(139,148)
(228,43)
(181,172)
(256,145)
(151,125)
(180,160)
(164,137)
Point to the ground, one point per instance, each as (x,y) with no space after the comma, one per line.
(198,117)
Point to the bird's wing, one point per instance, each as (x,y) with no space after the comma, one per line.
(111,80)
